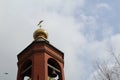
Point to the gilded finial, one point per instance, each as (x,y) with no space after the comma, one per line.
(39,24)
(40,33)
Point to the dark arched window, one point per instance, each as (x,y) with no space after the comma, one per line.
(27,70)
(54,71)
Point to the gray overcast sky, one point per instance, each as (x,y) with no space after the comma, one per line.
(83,29)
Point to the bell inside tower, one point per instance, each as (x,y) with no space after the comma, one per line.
(54,72)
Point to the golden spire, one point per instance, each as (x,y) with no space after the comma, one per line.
(40,33)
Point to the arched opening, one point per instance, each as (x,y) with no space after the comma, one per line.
(54,70)
(27,70)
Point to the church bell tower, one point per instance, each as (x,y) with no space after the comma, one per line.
(40,60)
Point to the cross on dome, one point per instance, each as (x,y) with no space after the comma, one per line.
(39,24)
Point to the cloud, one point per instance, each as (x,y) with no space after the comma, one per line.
(115,41)
(103,6)
(102,52)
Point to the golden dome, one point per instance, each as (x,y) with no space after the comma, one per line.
(40,33)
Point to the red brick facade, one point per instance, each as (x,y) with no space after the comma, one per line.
(33,61)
